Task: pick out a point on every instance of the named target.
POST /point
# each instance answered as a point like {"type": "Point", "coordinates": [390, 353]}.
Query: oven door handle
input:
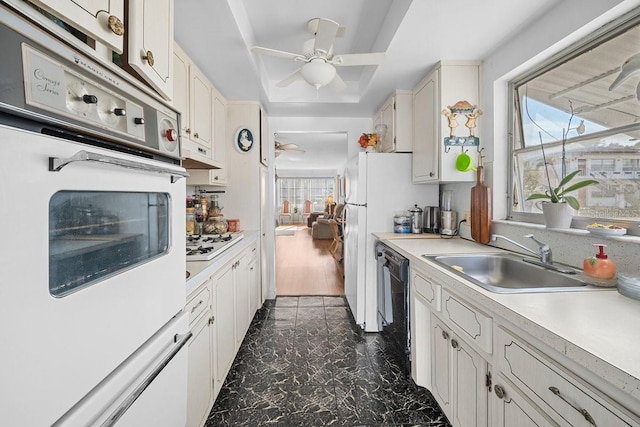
{"type": "Point", "coordinates": [56, 164]}
{"type": "Point", "coordinates": [180, 341]}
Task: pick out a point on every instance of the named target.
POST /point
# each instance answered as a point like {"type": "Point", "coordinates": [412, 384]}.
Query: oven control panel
{"type": "Point", "coordinates": [62, 92]}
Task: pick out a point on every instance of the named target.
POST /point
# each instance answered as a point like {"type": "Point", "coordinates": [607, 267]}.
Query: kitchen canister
{"type": "Point", "coordinates": [402, 222]}
{"type": "Point", "coordinates": [416, 220]}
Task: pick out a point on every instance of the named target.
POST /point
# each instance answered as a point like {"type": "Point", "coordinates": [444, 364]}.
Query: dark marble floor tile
{"type": "Point", "coordinates": [311, 313]}
{"type": "Point", "coordinates": [286, 302]}
{"type": "Point", "coordinates": [283, 313]}
{"type": "Point", "coordinates": [310, 302]}
{"type": "Point", "coordinates": [337, 312]}
{"type": "Point", "coordinates": [304, 362]}
{"type": "Point", "coordinates": [334, 301]}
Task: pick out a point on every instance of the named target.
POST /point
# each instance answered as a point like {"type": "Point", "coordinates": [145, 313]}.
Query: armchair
{"type": "Point", "coordinates": [321, 228]}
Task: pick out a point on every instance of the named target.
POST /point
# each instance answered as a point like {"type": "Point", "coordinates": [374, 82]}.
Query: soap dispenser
{"type": "Point", "coordinates": [599, 266]}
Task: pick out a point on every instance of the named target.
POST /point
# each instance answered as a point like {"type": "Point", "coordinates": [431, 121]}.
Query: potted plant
{"type": "Point", "coordinates": [557, 202]}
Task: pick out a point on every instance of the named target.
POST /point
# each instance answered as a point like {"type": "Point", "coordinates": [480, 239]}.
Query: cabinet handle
{"type": "Point", "coordinates": [499, 391]}
{"type": "Point", "coordinates": [212, 319]}
{"type": "Point", "coordinates": [454, 343]}
{"type": "Point", "coordinates": [431, 174]}
{"type": "Point", "coordinates": [197, 305]}
{"type": "Point", "coordinates": [115, 25]}
{"type": "Point", "coordinates": [583, 412]}
{"type": "Point", "coordinates": [187, 130]}
{"type": "Point", "coordinates": [149, 58]}
{"type": "Point", "coordinates": [445, 335]}
{"type": "Point", "coordinates": [195, 135]}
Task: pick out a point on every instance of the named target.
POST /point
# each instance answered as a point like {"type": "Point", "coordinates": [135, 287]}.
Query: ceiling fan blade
{"type": "Point", "coordinates": [337, 83]}
{"type": "Point", "coordinates": [277, 53]}
{"type": "Point", "coordinates": [325, 34]}
{"type": "Point", "coordinates": [296, 75]}
{"type": "Point", "coordinates": [359, 59]}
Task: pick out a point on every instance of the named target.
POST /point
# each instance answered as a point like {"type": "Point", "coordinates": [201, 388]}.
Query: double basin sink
{"type": "Point", "coordinates": [509, 273]}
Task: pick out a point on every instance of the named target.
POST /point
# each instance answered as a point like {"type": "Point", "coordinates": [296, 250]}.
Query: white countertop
{"type": "Point", "coordinates": [201, 270]}
{"type": "Point", "coordinates": [598, 330]}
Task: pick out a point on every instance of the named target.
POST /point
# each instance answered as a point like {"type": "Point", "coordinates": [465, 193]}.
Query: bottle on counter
{"type": "Point", "coordinates": [191, 220]}
{"type": "Point", "coordinates": [599, 266]}
{"type": "Point", "coordinates": [199, 218]}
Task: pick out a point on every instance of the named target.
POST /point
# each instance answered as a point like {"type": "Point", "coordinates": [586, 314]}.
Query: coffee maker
{"type": "Point", "coordinates": [449, 217]}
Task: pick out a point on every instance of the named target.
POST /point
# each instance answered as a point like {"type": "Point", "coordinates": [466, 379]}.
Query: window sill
{"type": "Point", "coordinates": [570, 231]}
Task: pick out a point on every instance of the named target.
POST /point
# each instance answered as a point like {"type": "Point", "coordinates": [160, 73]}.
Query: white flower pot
{"type": "Point", "coordinates": [557, 215]}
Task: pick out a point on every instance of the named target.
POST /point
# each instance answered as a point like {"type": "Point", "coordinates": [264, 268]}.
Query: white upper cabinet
{"type": "Point", "coordinates": [150, 43]}
{"type": "Point", "coordinates": [180, 100]}
{"type": "Point", "coordinates": [102, 20]}
{"type": "Point", "coordinates": [396, 114]}
{"type": "Point", "coordinates": [444, 86]}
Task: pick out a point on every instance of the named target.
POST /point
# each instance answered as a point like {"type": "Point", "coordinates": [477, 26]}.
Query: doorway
{"type": "Point", "coordinates": [307, 167]}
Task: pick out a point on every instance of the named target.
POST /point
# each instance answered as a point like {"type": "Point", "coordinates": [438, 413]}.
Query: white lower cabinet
{"type": "Point", "coordinates": [220, 309]}
{"type": "Point", "coordinates": [511, 408]}
{"type": "Point", "coordinates": [460, 378]}
{"type": "Point", "coordinates": [560, 393]}
{"type": "Point", "coordinates": [199, 385]}
{"type": "Point", "coordinates": [483, 371]}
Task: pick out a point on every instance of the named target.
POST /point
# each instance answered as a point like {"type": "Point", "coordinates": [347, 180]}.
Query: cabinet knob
{"type": "Point", "coordinates": [115, 25]}
{"type": "Point", "coordinates": [454, 343]}
{"type": "Point", "coordinates": [499, 391]}
{"type": "Point", "coordinates": [138, 120]}
{"type": "Point", "coordinates": [431, 174]}
{"type": "Point", "coordinates": [445, 335]}
{"type": "Point", "coordinates": [149, 58]}
{"type": "Point", "coordinates": [195, 135]}
{"type": "Point", "coordinates": [212, 319]}
{"type": "Point", "coordinates": [188, 130]}
{"type": "Point", "coordinates": [120, 112]}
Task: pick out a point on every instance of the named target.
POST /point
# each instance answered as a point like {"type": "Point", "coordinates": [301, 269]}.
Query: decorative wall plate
{"type": "Point", "coordinates": [243, 140]}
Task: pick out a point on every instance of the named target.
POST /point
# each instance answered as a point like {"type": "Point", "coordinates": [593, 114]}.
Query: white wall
{"type": "Point", "coordinates": [568, 22]}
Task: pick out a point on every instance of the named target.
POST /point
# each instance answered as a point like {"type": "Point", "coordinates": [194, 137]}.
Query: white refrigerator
{"type": "Point", "coordinates": [376, 186]}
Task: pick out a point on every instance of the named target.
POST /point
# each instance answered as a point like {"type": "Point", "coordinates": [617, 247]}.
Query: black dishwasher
{"type": "Point", "coordinates": [393, 301]}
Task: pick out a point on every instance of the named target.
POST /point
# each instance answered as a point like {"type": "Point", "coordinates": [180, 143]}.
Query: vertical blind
{"type": "Point", "coordinates": [297, 190]}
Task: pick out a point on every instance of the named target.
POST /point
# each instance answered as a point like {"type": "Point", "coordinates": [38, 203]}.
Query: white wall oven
{"type": "Point", "coordinates": [92, 253]}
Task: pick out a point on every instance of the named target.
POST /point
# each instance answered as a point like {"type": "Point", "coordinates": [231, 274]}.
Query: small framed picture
{"type": "Point", "coordinates": [243, 140]}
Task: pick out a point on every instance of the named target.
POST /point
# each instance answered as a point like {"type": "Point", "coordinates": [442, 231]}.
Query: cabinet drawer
{"type": "Point", "coordinates": [199, 303]}
{"type": "Point", "coordinates": [428, 290]}
{"type": "Point", "coordinates": [567, 399]}
{"type": "Point", "coordinates": [473, 325]}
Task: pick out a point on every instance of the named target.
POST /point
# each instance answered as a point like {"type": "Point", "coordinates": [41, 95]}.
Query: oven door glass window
{"type": "Point", "coordinates": [94, 235]}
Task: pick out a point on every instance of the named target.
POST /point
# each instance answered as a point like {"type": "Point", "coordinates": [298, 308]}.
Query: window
{"type": "Point", "coordinates": [580, 111]}
{"type": "Point", "coordinates": [297, 190]}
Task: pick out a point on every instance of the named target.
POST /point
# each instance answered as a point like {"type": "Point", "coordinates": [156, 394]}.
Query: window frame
{"type": "Point", "coordinates": [601, 35]}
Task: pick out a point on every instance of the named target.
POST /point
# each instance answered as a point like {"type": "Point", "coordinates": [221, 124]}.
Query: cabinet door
{"type": "Point", "coordinates": [426, 119]}
{"type": "Point", "coordinates": [219, 129]}
{"type": "Point", "coordinates": [420, 341]}
{"type": "Point", "coordinates": [255, 290]}
{"type": "Point", "coordinates": [181, 88]}
{"type": "Point", "coordinates": [200, 391]}
{"type": "Point", "coordinates": [441, 365]}
{"type": "Point", "coordinates": [102, 20]}
{"type": "Point", "coordinates": [242, 297]}
{"type": "Point", "coordinates": [387, 116]}
{"type": "Point", "coordinates": [150, 39]}
{"type": "Point", "coordinates": [469, 373]}
{"type": "Point", "coordinates": [264, 138]}
{"type": "Point", "coordinates": [200, 110]}
{"type": "Point", "coordinates": [224, 338]}
{"type": "Point", "coordinates": [510, 408]}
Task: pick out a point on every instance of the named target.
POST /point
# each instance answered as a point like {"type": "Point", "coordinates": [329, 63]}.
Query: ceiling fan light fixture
{"type": "Point", "coordinates": [318, 73]}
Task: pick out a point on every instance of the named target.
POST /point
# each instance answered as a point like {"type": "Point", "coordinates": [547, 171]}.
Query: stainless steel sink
{"type": "Point", "coordinates": [508, 273]}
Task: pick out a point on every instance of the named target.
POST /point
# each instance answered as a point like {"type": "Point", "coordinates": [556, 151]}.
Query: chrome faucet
{"type": "Point", "coordinates": [544, 251]}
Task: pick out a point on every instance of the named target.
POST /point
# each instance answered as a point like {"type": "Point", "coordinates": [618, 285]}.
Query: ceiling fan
{"type": "Point", "coordinates": [281, 148]}
{"type": "Point", "coordinates": [318, 56]}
